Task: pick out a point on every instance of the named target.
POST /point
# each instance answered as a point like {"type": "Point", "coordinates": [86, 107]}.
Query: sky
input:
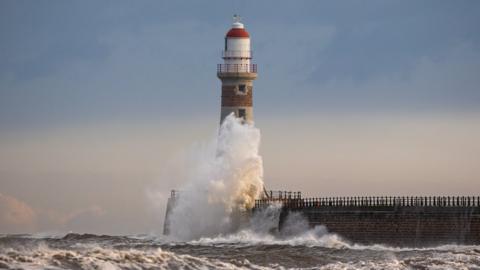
{"type": "Point", "coordinates": [99, 100]}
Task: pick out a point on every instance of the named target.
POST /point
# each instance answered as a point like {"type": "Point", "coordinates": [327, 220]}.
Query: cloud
{"type": "Point", "coordinates": [15, 215]}
{"type": "Point", "coordinates": [432, 84]}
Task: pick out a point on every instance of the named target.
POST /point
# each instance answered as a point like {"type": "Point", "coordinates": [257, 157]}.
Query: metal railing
{"type": "Point", "coordinates": [281, 195]}
{"type": "Point", "coordinates": [237, 54]}
{"type": "Point", "coordinates": [235, 68]}
{"type": "Point", "coordinates": [435, 201]}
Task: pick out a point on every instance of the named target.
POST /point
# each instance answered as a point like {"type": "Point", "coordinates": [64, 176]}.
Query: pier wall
{"type": "Point", "coordinates": [420, 221]}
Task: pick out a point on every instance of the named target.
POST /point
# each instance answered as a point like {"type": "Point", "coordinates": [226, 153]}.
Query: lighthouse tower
{"type": "Point", "coordinates": [237, 74]}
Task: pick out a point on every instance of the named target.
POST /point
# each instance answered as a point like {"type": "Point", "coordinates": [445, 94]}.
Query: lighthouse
{"type": "Point", "coordinates": [237, 74]}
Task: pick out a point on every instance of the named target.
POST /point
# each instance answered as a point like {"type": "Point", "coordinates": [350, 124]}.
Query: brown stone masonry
{"type": "Point", "coordinates": [232, 98]}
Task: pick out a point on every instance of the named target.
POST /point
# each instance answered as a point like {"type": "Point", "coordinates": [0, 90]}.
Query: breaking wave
{"type": "Point", "coordinates": [317, 237]}
{"type": "Point", "coordinates": [225, 178]}
{"type": "Point", "coordinates": [93, 257]}
{"type": "Point", "coordinates": [242, 250]}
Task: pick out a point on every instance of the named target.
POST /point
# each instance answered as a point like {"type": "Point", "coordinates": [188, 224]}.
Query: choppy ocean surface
{"type": "Point", "coordinates": [243, 250]}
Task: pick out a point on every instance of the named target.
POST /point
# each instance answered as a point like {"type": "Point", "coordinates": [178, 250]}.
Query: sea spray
{"type": "Point", "coordinates": [263, 229]}
{"type": "Point", "coordinates": [224, 180]}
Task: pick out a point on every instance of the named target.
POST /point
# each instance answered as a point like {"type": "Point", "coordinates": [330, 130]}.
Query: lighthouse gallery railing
{"type": "Point", "coordinates": [234, 68]}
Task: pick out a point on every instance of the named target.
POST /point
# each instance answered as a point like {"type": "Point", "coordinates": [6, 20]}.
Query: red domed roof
{"type": "Point", "coordinates": [237, 33]}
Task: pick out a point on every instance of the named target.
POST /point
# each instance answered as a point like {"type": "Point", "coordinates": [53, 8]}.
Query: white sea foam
{"type": "Point", "coordinates": [316, 237]}
{"type": "Point", "coordinates": [21, 253]}
{"type": "Point", "coordinates": [263, 230]}
{"type": "Point", "coordinates": [95, 257]}
{"type": "Point", "coordinates": [225, 178]}
{"type": "Point", "coordinates": [439, 261]}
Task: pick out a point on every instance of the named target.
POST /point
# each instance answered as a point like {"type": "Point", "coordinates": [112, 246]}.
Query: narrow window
{"type": "Point", "coordinates": [242, 88]}
{"type": "Point", "coordinates": [241, 113]}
